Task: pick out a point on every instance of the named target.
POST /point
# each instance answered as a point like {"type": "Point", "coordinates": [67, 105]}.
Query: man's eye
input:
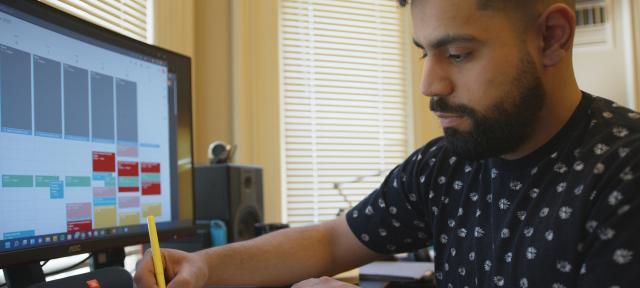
{"type": "Point", "coordinates": [458, 57]}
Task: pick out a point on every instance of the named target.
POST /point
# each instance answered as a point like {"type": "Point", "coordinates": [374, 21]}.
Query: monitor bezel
{"type": "Point", "coordinates": [177, 64]}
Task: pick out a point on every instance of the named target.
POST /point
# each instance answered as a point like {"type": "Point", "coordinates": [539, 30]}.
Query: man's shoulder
{"type": "Point", "coordinates": [431, 152]}
{"type": "Point", "coordinates": [434, 156]}
{"type": "Point", "coordinates": [614, 131]}
{"type": "Point", "coordinates": [613, 119]}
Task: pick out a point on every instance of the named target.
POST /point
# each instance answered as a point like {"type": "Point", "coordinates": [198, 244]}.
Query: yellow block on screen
{"type": "Point", "coordinates": [129, 218]}
{"type": "Point", "coordinates": [105, 216]}
{"type": "Point", "coordinates": [151, 209]}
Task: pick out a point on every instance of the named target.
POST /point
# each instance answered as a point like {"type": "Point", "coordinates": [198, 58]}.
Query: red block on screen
{"type": "Point", "coordinates": [79, 226]}
{"type": "Point", "coordinates": [127, 189]}
{"type": "Point", "coordinates": [128, 168]}
{"type": "Point", "coordinates": [104, 161]}
{"type": "Point", "coordinates": [147, 167]}
{"type": "Point", "coordinates": [150, 188]}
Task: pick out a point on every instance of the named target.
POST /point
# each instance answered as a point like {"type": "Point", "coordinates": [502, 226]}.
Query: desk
{"type": "Point", "coordinates": [353, 277]}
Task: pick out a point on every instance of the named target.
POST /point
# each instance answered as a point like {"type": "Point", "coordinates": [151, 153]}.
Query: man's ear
{"type": "Point", "coordinates": [556, 28]}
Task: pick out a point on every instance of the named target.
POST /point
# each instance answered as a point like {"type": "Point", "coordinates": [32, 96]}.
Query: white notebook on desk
{"type": "Point", "coordinates": [390, 271]}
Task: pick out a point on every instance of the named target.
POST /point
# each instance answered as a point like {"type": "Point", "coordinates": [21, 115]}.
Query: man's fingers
{"type": "Point", "coordinates": [148, 281]}
{"type": "Point", "coordinates": [306, 283]}
{"type": "Point", "coordinates": [180, 270]}
{"type": "Point", "coordinates": [181, 280]}
{"type": "Point", "coordinates": [145, 273]}
{"type": "Point", "coordinates": [145, 277]}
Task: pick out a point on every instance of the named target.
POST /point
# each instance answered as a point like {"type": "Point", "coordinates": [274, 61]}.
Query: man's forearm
{"type": "Point", "coordinates": [285, 257]}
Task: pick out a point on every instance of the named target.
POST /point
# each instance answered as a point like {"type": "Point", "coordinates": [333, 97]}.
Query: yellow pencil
{"type": "Point", "coordinates": [155, 251]}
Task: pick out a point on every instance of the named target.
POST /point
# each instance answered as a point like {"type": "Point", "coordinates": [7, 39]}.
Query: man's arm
{"type": "Point", "coordinates": [279, 258]}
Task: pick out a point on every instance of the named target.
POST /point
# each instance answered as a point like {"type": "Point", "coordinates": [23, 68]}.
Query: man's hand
{"type": "Point", "coordinates": [323, 282]}
{"type": "Point", "coordinates": [181, 269]}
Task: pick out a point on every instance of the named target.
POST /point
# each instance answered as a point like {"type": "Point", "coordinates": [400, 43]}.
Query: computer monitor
{"type": "Point", "coordinates": [95, 135]}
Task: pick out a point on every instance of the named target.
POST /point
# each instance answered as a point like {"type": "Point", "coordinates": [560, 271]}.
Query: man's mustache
{"type": "Point", "coordinates": [438, 104]}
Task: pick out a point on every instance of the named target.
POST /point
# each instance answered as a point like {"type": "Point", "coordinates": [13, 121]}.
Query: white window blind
{"type": "Point", "coordinates": [129, 17]}
{"type": "Point", "coordinates": [344, 94]}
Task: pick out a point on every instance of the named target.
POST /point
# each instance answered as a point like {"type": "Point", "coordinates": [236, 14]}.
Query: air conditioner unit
{"type": "Point", "coordinates": [593, 21]}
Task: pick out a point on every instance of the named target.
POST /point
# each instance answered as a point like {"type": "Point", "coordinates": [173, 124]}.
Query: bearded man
{"type": "Point", "coordinates": [534, 183]}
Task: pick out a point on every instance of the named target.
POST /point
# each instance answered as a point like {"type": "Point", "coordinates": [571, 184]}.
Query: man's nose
{"type": "Point", "coordinates": [435, 79]}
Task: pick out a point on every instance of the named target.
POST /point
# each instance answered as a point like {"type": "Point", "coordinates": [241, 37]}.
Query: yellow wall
{"type": "Point", "coordinates": [636, 27]}
{"type": "Point", "coordinates": [174, 30]}
{"type": "Point", "coordinates": [235, 53]}
{"type": "Point", "coordinates": [173, 25]}
{"type": "Point", "coordinates": [235, 95]}
{"type": "Point", "coordinates": [212, 92]}
{"type": "Point", "coordinates": [425, 124]}
{"type": "Point", "coordinates": [255, 102]}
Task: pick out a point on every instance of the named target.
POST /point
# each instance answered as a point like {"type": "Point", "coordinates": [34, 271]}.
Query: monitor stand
{"type": "Point", "coordinates": [23, 275]}
{"type": "Point", "coordinates": [107, 258]}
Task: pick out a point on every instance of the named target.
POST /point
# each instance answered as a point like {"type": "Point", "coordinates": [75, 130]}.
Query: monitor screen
{"type": "Point", "coordinates": [90, 124]}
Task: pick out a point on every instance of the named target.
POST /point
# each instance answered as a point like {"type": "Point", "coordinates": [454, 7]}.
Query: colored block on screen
{"type": "Point", "coordinates": [78, 211]}
{"type": "Point", "coordinates": [148, 167]}
{"type": "Point", "coordinates": [128, 184]}
{"type": "Point", "coordinates": [16, 131]}
{"type": "Point", "coordinates": [129, 218]}
{"type": "Point", "coordinates": [16, 102]}
{"type": "Point", "coordinates": [83, 225]}
{"type": "Point", "coordinates": [128, 189]}
{"type": "Point", "coordinates": [18, 234]}
{"type": "Point", "coordinates": [150, 188]}
{"type": "Point", "coordinates": [56, 189]}
{"type": "Point", "coordinates": [43, 181]}
{"type": "Point", "coordinates": [101, 176]}
{"type": "Point", "coordinates": [151, 209]}
{"type": "Point", "coordinates": [152, 177]}
{"type": "Point", "coordinates": [126, 150]}
{"type": "Point", "coordinates": [149, 145]}
{"type": "Point", "coordinates": [104, 161]}
{"type": "Point", "coordinates": [105, 216]}
{"type": "Point", "coordinates": [104, 192]}
{"type": "Point", "coordinates": [128, 181]}
{"type": "Point", "coordinates": [17, 181]}
{"type": "Point", "coordinates": [128, 168]}
{"type": "Point", "coordinates": [77, 181]}
{"type": "Point", "coordinates": [76, 138]}
{"type": "Point", "coordinates": [129, 202]}
{"type": "Point", "coordinates": [48, 134]}
{"type": "Point", "coordinates": [110, 182]}
{"type": "Point", "coordinates": [107, 201]}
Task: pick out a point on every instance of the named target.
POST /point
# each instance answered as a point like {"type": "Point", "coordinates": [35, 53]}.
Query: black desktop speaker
{"type": "Point", "coordinates": [231, 193]}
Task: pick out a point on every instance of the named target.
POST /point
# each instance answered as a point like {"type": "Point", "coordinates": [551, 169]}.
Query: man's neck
{"type": "Point", "coordinates": [558, 107]}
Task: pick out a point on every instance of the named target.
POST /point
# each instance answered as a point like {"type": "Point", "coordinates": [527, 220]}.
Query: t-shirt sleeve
{"type": "Point", "coordinates": [612, 245]}
{"type": "Point", "coordinates": [393, 219]}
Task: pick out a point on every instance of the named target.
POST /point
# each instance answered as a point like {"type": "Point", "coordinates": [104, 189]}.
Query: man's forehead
{"type": "Point", "coordinates": [481, 4]}
{"type": "Point", "coordinates": [435, 19]}
{"type": "Point", "coordinates": [444, 3]}
{"type": "Point", "coordinates": [450, 12]}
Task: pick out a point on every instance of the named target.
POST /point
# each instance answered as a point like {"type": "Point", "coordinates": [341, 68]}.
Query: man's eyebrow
{"type": "Point", "coordinates": [415, 42]}
{"type": "Point", "coordinates": [448, 40]}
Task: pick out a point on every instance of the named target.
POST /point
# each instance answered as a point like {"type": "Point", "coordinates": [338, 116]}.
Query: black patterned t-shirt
{"type": "Point", "coordinates": [566, 215]}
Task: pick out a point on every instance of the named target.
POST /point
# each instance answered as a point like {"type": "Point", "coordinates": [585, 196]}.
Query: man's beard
{"type": "Point", "coordinates": [506, 126]}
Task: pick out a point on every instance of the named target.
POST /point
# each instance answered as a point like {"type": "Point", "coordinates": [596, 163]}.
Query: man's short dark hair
{"type": "Point", "coordinates": [522, 10]}
{"type": "Point", "coordinates": [501, 4]}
